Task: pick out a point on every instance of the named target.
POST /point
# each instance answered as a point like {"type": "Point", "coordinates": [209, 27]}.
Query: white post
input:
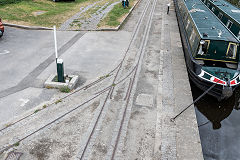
{"type": "Point", "coordinates": [55, 41]}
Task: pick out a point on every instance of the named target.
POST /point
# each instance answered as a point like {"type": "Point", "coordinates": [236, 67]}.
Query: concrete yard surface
{"type": "Point", "coordinates": [132, 82]}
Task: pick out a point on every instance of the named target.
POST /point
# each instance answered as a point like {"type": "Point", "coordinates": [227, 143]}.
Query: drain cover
{"type": "Point", "coordinates": [14, 155]}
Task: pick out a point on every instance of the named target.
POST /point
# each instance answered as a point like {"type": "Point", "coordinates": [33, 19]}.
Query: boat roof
{"type": "Point", "coordinates": [207, 23]}
{"type": "Point", "coordinates": [228, 8]}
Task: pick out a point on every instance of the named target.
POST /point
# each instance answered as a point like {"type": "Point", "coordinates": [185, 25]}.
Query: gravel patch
{"type": "Point", "coordinates": [88, 21]}
{"type": "Point", "coordinates": [67, 23]}
{"type": "Point", "coordinates": [92, 22]}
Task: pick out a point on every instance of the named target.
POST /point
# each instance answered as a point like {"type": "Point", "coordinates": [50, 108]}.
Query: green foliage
{"type": "Point", "coordinates": [117, 12]}
{"type": "Point", "coordinates": [55, 13]}
{"type": "Point", "coordinates": [37, 110]}
{"type": "Point", "coordinates": [58, 101]}
{"type": "Point", "coordinates": [16, 144]}
{"type": "Point", "coordinates": [235, 2]}
{"type": "Point", "coordinates": [55, 79]}
{"type": "Point", "coordinates": [65, 89]}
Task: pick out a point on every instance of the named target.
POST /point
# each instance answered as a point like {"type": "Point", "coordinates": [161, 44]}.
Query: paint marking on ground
{"type": "Point", "coordinates": [4, 52]}
{"type": "Point", "coordinates": [24, 101]}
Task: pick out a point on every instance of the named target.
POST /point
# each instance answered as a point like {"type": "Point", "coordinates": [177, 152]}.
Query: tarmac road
{"type": "Point", "coordinates": [27, 59]}
{"type": "Point", "coordinates": [22, 55]}
{"type": "Point", "coordinates": [21, 51]}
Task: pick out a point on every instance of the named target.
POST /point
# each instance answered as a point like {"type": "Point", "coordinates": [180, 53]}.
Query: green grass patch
{"type": "Point", "coordinates": [58, 101]}
{"type": "Point", "coordinates": [112, 18]}
{"type": "Point", "coordinates": [65, 90]}
{"type": "Point", "coordinates": [26, 11]}
{"type": "Point", "coordinates": [55, 79]}
{"type": "Point", "coordinates": [94, 10]}
{"type": "Point", "coordinates": [104, 76]}
{"type": "Point", "coordinates": [76, 21]}
{"type": "Point", "coordinates": [16, 144]}
{"type": "Point", "coordinates": [37, 110]}
{"type": "Point", "coordinates": [4, 2]}
{"type": "Point", "coordinates": [7, 125]}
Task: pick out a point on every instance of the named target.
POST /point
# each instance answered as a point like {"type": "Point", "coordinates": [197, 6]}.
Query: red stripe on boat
{"type": "Point", "coordinates": [218, 81]}
{"type": "Point", "coordinates": [233, 82]}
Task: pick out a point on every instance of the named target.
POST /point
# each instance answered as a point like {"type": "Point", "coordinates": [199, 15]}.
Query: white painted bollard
{"type": "Point", "coordinates": [55, 41]}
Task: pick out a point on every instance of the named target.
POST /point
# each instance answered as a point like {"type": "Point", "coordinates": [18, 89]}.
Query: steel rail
{"type": "Point", "coordinates": [89, 100]}
{"type": "Point", "coordinates": [128, 95]}
{"type": "Point", "coordinates": [136, 30]}
{"type": "Point", "coordinates": [64, 97]}
{"type": "Point", "coordinates": [134, 36]}
{"type": "Point", "coordinates": [110, 88]}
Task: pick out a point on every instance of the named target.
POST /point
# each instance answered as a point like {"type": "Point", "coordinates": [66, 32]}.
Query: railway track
{"type": "Point", "coordinates": [132, 77]}
{"type": "Point", "coordinates": [130, 74]}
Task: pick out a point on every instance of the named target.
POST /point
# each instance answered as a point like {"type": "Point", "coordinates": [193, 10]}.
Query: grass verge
{"type": "Point", "coordinates": [42, 12]}
{"type": "Point", "coordinates": [115, 16]}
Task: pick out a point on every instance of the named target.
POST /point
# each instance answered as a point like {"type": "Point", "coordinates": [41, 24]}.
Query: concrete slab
{"type": "Point", "coordinates": [16, 104]}
{"type": "Point", "coordinates": [144, 100]}
{"type": "Point", "coordinates": [69, 84]}
{"type": "Point", "coordinates": [188, 142]}
{"type": "Point", "coordinates": [93, 55]}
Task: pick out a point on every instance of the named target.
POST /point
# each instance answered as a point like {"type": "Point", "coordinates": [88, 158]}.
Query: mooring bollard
{"type": "Point", "coordinates": [168, 6]}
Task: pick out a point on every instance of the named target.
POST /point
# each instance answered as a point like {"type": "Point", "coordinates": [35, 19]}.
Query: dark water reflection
{"type": "Point", "coordinates": [219, 126]}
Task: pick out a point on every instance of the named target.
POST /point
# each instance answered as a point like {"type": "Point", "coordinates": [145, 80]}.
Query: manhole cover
{"type": "Point", "coordinates": [14, 155]}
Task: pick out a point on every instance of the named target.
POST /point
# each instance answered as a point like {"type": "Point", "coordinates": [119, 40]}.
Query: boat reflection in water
{"type": "Point", "coordinates": [218, 126]}
{"type": "Point", "coordinates": [215, 111]}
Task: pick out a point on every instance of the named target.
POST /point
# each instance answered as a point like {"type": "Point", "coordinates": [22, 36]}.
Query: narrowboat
{"type": "Point", "coordinates": [211, 50]}
{"type": "Point", "coordinates": [227, 13]}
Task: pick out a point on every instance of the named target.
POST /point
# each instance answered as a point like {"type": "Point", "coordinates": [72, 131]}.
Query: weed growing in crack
{"type": "Point", "coordinates": [37, 110]}
{"type": "Point", "coordinates": [58, 101]}
{"type": "Point", "coordinates": [65, 90]}
{"type": "Point", "coordinates": [16, 144]}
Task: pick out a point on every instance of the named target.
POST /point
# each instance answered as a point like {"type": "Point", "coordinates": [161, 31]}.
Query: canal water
{"type": "Point", "coordinates": [219, 126]}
